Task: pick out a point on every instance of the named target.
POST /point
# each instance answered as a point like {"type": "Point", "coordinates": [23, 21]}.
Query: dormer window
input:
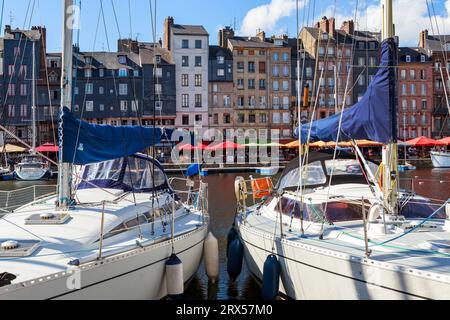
{"type": "Point", "coordinates": [88, 60]}
{"type": "Point", "coordinates": [422, 58]}
{"type": "Point", "coordinates": [324, 36]}
{"type": "Point", "coordinates": [157, 59]}
{"type": "Point", "coordinates": [408, 58]}
{"type": "Point", "coordinates": [220, 59]}
{"type": "Point", "coordinates": [278, 42]}
{"type": "Point", "coordinates": [122, 59]}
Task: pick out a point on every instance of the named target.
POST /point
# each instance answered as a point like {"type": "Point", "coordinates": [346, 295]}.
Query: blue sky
{"type": "Point", "coordinates": [274, 16]}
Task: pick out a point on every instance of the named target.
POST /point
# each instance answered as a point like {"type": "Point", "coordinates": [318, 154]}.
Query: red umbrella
{"type": "Point", "coordinates": [225, 145]}
{"type": "Point", "coordinates": [189, 147]}
{"type": "Point", "coordinates": [425, 142]}
{"type": "Point", "coordinates": [446, 141]}
{"type": "Point", "coordinates": [48, 147]}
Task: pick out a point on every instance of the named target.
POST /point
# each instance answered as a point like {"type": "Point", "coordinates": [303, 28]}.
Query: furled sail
{"type": "Point", "coordinates": [373, 117]}
{"type": "Point", "coordinates": [85, 143]}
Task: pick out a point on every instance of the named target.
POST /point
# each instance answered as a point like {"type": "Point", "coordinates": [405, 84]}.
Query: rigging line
{"type": "Point", "coordinates": [339, 128]}
{"type": "Point", "coordinates": [115, 17]}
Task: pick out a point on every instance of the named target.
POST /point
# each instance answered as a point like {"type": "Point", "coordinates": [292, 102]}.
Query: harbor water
{"type": "Point", "coordinates": [432, 183]}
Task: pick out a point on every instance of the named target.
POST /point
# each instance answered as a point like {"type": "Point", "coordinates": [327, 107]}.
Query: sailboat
{"type": "Point", "coordinates": [31, 167]}
{"type": "Point", "coordinates": [118, 228]}
{"type": "Point", "coordinates": [332, 233]}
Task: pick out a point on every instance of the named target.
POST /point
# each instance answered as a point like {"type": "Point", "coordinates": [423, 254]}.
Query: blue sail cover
{"type": "Point", "coordinates": [85, 143]}
{"type": "Point", "coordinates": [373, 117]}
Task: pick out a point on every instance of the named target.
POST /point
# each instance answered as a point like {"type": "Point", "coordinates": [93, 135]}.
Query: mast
{"type": "Point", "coordinates": [33, 103]}
{"type": "Point", "coordinates": [390, 152]}
{"type": "Point", "coordinates": [65, 169]}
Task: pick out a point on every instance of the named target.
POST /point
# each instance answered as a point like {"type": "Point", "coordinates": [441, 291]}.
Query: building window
{"type": "Point", "coordinates": [23, 89]}
{"type": "Point", "coordinates": [158, 105]}
{"type": "Point", "coordinates": [361, 61]}
{"type": "Point", "coordinates": [362, 80]}
{"type": "Point", "coordinates": [215, 88]}
{"type": "Point", "coordinates": [198, 80]}
{"type": "Point", "coordinates": [216, 119]}
{"type": "Point", "coordinates": [220, 59]}
{"type": "Point", "coordinates": [408, 58]}
{"type": "Point", "coordinates": [158, 88]}
{"type": "Point", "coordinates": [276, 118]}
{"type": "Point", "coordinates": [240, 118]}
{"type": "Point", "coordinates": [262, 102]}
{"type": "Point", "coordinates": [262, 84]}
{"type": "Point", "coordinates": [240, 66]}
{"type": "Point", "coordinates": [251, 67]}
{"type": "Point", "coordinates": [226, 118]}
{"type": "Point", "coordinates": [198, 61]}
{"type": "Point", "coordinates": [275, 86]}
{"type": "Point", "coordinates": [123, 89]}
{"type": "Point", "coordinates": [122, 59]}
{"type": "Point", "coordinates": [252, 118]}
{"type": "Point", "coordinates": [88, 73]}
{"type": "Point", "coordinates": [89, 88]}
{"type": "Point", "coordinates": [89, 106]}
{"type": "Point", "coordinates": [240, 83]}
{"type": "Point", "coordinates": [185, 101]}
{"type": "Point", "coordinates": [285, 71]}
{"type": "Point", "coordinates": [251, 83]}
{"type": "Point", "coordinates": [413, 89]}
{"type": "Point", "coordinates": [286, 85]}
{"type": "Point", "coordinates": [185, 44]}
{"type": "Point", "coordinates": [101, 90]}
{"type": "Point", "coordinates": [198, 100]}
{"type": "Point", "coordinates": [424, 105]}
{"type": "Point", "coordinates": [11, 90]}
{"type": "Point", "coordinates": [220, 72]}
{"type": "Point", "coordinates": [101, 73]}
{"type": "Point", "coordinates": [23, 110]}
{"type": "Point", "coordinates": [123, 73]}
{"type": "Point", "coordinates": [185, 120]}
{"type": "Point", "coordinates": [198, 44]}
{"type": "Point", "coordinates": [423, 58]}
{"type": "Point", "coordinates": [424, 89]}
{"type": "Point", "coordinates": [134, 105]}
{"type": "Point", "coordinates": [11, 110]}
{"type": "Point", "coordinates": [198, 118]}
{"type": "Point", "coordinates": [276, 71]}
{"type": "Point", "coordinates": [123, 105]}
{"type": "Point", "coordinates": [262, 67]}
{"type": "Point", "coordinates": [263, 118]}
{"type": "Point", "coordinates": [158, 73]}
{"type": "Point", "coordinates": [240, 102]}
{"type": "Point", "coordinates": [276, 56]}
{"type": "Point", "coordinates": [185, 80]}
{"type": "Point", "coordinates": [226, 101]}
{"type": "Point", "coordinates": [185, 61]}
{"type": "Point", "coordinates": [101, 107]}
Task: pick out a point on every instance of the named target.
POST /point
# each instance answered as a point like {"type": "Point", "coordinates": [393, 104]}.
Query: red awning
{"type": "Point", "coordinates": [446, 141]}
{"type": "Point", "coordinates": [225, 145]}
{"type": "Point", "coordinates": [48, 147]}
{"type": "Point", "coordinates": [425, 142]}
{"type": "Point", "coordinates": [189, 147]}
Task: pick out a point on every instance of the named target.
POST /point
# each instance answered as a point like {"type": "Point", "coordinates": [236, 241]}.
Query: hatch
{"type": "Point", "coordinates": [17, 248]}
{"type": "Point", "coordinates": [47, 218]}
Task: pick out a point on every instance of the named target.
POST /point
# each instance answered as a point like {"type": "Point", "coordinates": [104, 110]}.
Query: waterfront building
{"type": "Point", "coordinates": [220, 87]}
{"type": "Point", "coordinates": [415, 92]}
{"type": "Point", "coordinates": [437, 48]}
{"type": "Point", "coordinates": [189, 46]}
{"type": "Point", "coordinates": [16, 68]}
{"type": "Point", "coordinates": [343, 56]}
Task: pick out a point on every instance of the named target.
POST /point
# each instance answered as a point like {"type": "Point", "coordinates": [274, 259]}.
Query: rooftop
{"type": "Point", "coordinates": [192, 30]}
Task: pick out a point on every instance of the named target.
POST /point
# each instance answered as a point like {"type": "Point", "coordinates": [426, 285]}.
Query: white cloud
{"type": "Point", "coordinates": [266, 17]}
{"type": "Point", "coordinates": [410, 18]}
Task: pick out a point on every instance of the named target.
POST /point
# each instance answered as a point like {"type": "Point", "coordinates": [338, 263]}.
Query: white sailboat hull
{"type": "Point", "coordinates": [440, 159]}
{"type": "Point", "coordinates": [31, 175]}
{"type": "Point", "coordinates": [315, 273]}
{"type": "Point", "coordinates": [134, 275]}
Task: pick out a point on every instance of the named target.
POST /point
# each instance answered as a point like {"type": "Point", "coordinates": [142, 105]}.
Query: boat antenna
{"type": "Point", "coordinates": [65, 169]}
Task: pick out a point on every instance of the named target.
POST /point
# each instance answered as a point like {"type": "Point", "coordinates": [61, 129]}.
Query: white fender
{"type": "Point", "coordinates": [211, 252]}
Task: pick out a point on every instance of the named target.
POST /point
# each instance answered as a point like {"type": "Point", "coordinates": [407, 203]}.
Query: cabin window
{"type": "Point", "coordinates": [313, 175]}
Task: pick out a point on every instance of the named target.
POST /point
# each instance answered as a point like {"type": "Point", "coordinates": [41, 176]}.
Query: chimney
{"type": "Point", "coordinates": [261, 35]}
{"type": "Point", "coordinates": [168, 23]}
{"type": "Point", "coordinates": [128, 45]}
{"type": "Point", "coordinates": [348, 27]}
{"type": "Point", "coordinates": [7, 29]}
{"type": "Point", "coordinates": [224, 35]}
{"type": "Point", "coordinates": [327, 25]}
{"type": "Point", "coordinates": [423, 38]}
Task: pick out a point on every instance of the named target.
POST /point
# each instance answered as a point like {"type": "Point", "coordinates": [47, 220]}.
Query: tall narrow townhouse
{"type": "Point", "coordinates": [189, 45]}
